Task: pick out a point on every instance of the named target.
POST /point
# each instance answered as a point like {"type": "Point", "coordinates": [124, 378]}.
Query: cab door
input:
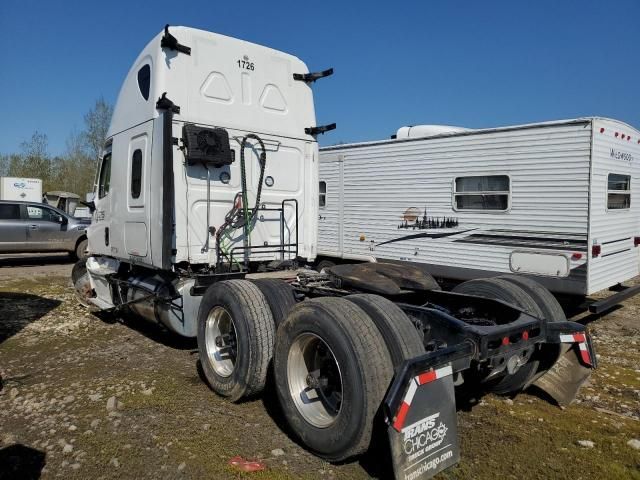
{"type": "Point", "coordinates": [99, 232]}
{"type": "Point", "coordinates": [13, 229]}
{"type": "Point", "coordinates": [46, 229]}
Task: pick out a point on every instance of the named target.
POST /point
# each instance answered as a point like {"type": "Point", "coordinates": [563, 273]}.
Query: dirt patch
{"type": "Point", "coordinates": [61, 367]}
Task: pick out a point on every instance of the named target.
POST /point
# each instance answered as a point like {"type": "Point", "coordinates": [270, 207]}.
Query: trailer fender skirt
{"type": "Point", "coordinates": [573, 368]}
{"type": "Point", "coordinates": [420, 410]}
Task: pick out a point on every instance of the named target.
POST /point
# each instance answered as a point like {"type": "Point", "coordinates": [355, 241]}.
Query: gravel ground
{"type": "Point", "coordinates": [101, 397]}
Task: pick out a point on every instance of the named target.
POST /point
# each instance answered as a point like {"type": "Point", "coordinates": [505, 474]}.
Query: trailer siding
{"type": "Point", "coordinates": [614, 230]}
{"type": "Point", "coordinates": [548, 167]}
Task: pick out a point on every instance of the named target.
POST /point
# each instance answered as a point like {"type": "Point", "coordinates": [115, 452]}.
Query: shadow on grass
{"type": "Point", "coordinates": [34, 260]}
{"type": "Point", "coordinates": [152, 330]}
{"type": "Point", "coordinates": [17, 310]}
{"type": "Point", "coordinates": [20, 461]}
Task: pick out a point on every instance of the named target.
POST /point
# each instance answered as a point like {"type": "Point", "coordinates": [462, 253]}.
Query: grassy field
{"type": "Point", "coordinates": [62, 365]}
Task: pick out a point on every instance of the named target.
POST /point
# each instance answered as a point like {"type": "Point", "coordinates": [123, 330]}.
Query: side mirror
{"type": "Point", "coordinates": [63, 220]}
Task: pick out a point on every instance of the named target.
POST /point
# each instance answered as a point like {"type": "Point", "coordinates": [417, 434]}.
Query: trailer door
{"type": "Point", "coordinates": [614, 225]}
{"type": "Point", "coordinates": [330, 201]}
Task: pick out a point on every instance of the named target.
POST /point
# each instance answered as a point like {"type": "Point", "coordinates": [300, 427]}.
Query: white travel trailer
{"type": "Point", "coordinates": [558, 201]}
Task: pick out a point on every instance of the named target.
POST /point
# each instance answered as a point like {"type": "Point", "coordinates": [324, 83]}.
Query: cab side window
{"type": "Point", "coordinates": [42, 213]}
{"type": "Point", "coordinates": [104, 180]}
{"type": "Point", "coordinates": [9, 212]}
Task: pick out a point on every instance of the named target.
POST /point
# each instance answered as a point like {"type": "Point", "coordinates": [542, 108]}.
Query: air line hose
{"type": "Point", "coordinates": [234, 219]}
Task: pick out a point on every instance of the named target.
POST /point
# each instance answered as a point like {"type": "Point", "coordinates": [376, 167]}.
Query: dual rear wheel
{"type": "Point", "coordinates": [332, 365]}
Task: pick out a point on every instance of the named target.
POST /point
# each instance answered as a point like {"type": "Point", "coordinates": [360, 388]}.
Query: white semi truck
{"type": "Point", "coordinates": [209, 172]}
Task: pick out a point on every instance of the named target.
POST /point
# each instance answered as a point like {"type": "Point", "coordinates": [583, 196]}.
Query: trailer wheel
{"type": "Point", "coordinates": [236, 333]}
{"type": "Point", "coordinates": [501, 289]}
{"type": "Point", "coordinates": [332, 369]}
{"type": "Point", "coordinates": [279, 295]}
{"type": "Point", "coordinates": [322, 264]}
{"type": "Point", "coordinates": [402, 338]}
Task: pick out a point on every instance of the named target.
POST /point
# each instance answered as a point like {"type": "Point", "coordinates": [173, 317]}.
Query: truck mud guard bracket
{"type": "Point", "coordinates": [312, 76]}
{"type": "Point", "coordinates": [171, 42]}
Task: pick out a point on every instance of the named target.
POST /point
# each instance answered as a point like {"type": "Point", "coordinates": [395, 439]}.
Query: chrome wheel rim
{"type": "Point", "coordinates": [220, 341]}
{"type": "Point", "coordinates": [315, 381]}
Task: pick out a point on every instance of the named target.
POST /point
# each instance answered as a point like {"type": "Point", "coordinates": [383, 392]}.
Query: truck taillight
{"type": "Point", "coordinates": [596, 250]}
{"type": "Point", "coordinates": [636, 241]}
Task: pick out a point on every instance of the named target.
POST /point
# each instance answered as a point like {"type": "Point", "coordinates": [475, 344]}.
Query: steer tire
{"type": "Point", "coordinates": [336, 333]}
{"type": "Point", "coordinates": [279, 295]}
{"type": "Point", "coordinates": [501, 289]}
{"type": "Point", "coordinates": [402, 338]}
{"type": "Point", "coordinates": [242, 302]}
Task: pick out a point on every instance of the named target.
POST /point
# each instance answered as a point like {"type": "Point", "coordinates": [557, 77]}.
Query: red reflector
{"type": "Point", "coordinates": [505, 341]}
{"type": "Point", "coordinates": [636, 241]}
{"type": "Point", "coordinates": [576, 256]}
{"type": "Point", "coordinates": [596, 250]}
{"type": "Point", "coordinates": [525, 335]}
{"type": "Point", "coordinates": [602, 130]}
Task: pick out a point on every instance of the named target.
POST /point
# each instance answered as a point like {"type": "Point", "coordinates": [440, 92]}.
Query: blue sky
{"type": "Point", "coordinates": [468, 63]}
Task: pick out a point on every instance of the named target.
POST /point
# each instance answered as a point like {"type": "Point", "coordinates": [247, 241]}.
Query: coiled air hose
{"type": "Point", "coordinates": [233, 218]}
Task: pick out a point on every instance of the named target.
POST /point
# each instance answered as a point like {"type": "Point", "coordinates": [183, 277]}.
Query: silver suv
{"type": "Point", "coordinates": [35, 227]}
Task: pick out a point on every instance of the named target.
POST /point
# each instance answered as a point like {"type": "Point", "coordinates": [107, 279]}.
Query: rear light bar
{"type": "Point", "coordinates": [596, 250]}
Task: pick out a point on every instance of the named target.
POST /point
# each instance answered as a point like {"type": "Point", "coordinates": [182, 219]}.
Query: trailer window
{"type": "Point", "coordinates": [105, 176]}
{"type": "Point", "coordinates": [323, 194]}
{"type": "Point", "coordinates": [618, 191]}
{"type": "Point", "coordinates": [136, 174]}
{"type": "Point", "coordinates": [490, 192]}
{"type": "Point", "coordinates": [144, 81]}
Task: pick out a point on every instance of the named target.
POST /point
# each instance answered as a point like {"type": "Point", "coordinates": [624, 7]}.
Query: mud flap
{"type": "Point", "coordinates": [573, 368]}
{"type": "Point", "coordinates": [423, 435]}
{"type": "Point", "coordinates": [421, 414]}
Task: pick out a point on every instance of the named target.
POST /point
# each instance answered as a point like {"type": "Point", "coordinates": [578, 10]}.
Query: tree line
{"type": "Point", "coordinates": [74, 170]}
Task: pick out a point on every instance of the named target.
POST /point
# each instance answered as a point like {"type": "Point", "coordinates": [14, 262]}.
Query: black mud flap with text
{"type": "Point", "coordinates": [420, 412]}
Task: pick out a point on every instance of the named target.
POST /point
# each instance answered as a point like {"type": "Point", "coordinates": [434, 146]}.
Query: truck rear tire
{"type": "Point", "coordinates": [548, 304]}
{"type": "Point", "coordinates": [332, 369]}
{"type": "Point", "coordinates": [552, 310]}
{"type": "Point", "coordinates": [279, 295]}
{"type": "Point", "coordinates": [236, 333]}
{"type": "Point", "coordinates": [501, 289]}
{"type": "Point", "coordinates": [402, 338]}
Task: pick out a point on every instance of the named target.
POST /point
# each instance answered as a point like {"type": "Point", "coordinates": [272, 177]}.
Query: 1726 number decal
{"type": "Point", "coordinates": [246, 65]}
